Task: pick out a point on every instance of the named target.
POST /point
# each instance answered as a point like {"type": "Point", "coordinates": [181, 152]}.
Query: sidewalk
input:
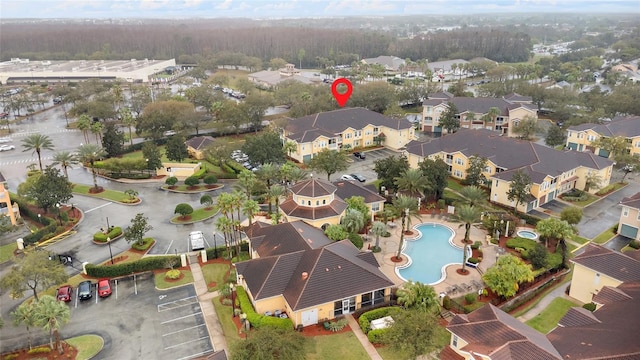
{"type": "Point", "coordinates": [364, 340]}
{"type": "Point", "coordinates": [214, 327]}
{"type": "Point", "coordinates": [542, 304]}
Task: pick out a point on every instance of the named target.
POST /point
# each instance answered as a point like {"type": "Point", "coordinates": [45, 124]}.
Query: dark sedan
{"type": "Point", "coordinates": [359, 177]}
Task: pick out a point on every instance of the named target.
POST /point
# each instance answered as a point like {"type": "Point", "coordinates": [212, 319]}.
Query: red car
{"type": "Point", "coordinates": [65, 293]}
{"type": "Point", "coordinates": [104, 288]}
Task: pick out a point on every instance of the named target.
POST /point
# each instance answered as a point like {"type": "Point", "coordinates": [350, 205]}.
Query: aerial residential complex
{"type": "Point", "coordinates": [348, 128]}
{"type": "Point", "coordinates": [581, 137]}
{"type": "Point", "coordinates": [496, 114]}
{"type": "Point", "coordinates": [552, 172]}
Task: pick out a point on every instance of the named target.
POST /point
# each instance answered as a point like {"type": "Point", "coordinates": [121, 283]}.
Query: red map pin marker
{"type": "Point", "coordinates": [341, 98]}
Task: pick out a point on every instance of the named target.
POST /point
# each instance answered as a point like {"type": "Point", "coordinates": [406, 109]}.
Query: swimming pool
{"type": "Point", "coordinates": [527, 234]}
{"type": "Point", "coordinates": [429, 254]}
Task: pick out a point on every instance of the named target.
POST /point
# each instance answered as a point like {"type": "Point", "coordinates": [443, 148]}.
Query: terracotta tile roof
{"type": "Point", "coordinates": [577, 316]}
{"type": "Point", "coordinates": [313, 188]}
{"type": "Point", "coordinates": [611, 263]}
{"type": "Point", "coordinates": [286, 238]}
{"type": "Point", "coordinates": [481, 105]}
{"type": "Point", "coordinates": [334, 208]}
{"type": "Point", "coordinates": [509, 153]}
{"type": "Point", "coordinates": [199, 142]}
{"type": "Point", "coordinates": [488, 330]}
{"type": "Point", "coordinates": [337, 121]}
{"type": "Point", "coordinates": [609, 295]}
{"type": "Point", "coordinates": [614, 336]}
{"type": "Point", "coordinates": [334, 271]}
{"type": "Point", "coordinates": [449, 354]}
{"type": "Point", "coordinates": [632, 201]}
{"type": "Point", "coordinates": [625, 126]}
{"type": "Point", "coordinates": [346, 189]}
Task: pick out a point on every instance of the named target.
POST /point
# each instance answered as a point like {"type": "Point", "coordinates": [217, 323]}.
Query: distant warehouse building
{"type": "Point", "coordinates": [135, 71]}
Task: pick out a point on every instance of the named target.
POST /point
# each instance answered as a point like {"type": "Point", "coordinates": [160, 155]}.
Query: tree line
{"type": "Point", "coordinates": [66, 41]}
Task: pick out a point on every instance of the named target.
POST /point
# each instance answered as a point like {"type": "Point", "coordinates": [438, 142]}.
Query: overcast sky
{"type": "Point", "coordinates": [295, 8]}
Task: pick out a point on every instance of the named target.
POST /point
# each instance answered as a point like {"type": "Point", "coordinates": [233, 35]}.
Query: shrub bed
{"type": "Point", "coordinates": [365, 319]}
{"type": "Point", "coordinates": [114, 232]}
{"type": "Point", "coordinates": [146, 244]}
{"type": "Point", "coordinates": [43, 233]}
{"type": "Point", "coordinates": [635, 244]}
{"type": "Point", "coordinates": [376, 336]}
{"type": "Point", "coordinates": [518, 242]}
{"type": "Point", "coordinates": [256, 320]}
{"type": "Point", "coordinates": [128, 268]}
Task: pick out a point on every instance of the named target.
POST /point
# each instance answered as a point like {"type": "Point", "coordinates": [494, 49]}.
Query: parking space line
{"type": "Point", "coordinates": [116, 281]}
{"type": "Point", "coordinates": [181, 317]}
{"type": "Point", "coordinates": [98, 207]}
{"type": "Point", "coordinates": [174, 302]}
{"type": "Point", "coordinates": [168, 247]}
{"type": "Point", "coordinates": [185, 329]}
{"type": "Point", "coordinates": [186, 342]}
{"type": "Point", "coordinates": [196, 355]}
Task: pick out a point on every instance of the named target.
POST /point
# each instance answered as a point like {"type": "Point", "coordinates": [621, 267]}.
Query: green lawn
{"type": "Point", "coordinates": [344, 346]}
{"type": "Point", "coordinates": [107, 194]}
{"type": "Point", "coordinates": [182, 187]}
{"type": "Point", "coordinates": [544, 293]}
{"type": "Point", "coordinates": [611, 188]}
{"type": "Point", "coordinates": [162, 284]}
{"type": "Point", "coordinates": [138, 154]}
{"type": "Point", "coordinates": [590, 199]}
{"type": "Point", "coordinates": [228, 327]}
{"type": "Point", "coordinates": [548, 319]}
{"type": "Point", "coordinates": [450, 194]}
{"type": "Point", "coordinates": [454, 185]}
{"type": "Point", "coordinates": [196, 215]}
{"type": "Point", "coordinates": [605, 236]}
{"type": "Point", "coordinates": [88, 345]}
{"type": "Point", "coordinates": [6, 251]}
{"type": "Point", "coordinates": [215, 273]}
{"type": "Point", "coordinates": [442, 340]}
{"type": "Point", "coordinates": [580, 240]}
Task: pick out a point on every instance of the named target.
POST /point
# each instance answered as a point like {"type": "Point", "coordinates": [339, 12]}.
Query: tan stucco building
{"type": "Point", "coordinates": [6, 208]}
{"type": "Point", "coordinates": [296, 270]}
{"type": "Point", "coordinates": [552, 172]}
{"type": "Point", "coordinates": [349, 128]}
{"type": "Point", "coordinates": [629, 222]}
{"type": "Point", "coordinates": [474, 113]}
{"type": "Point", "coordinates": [581, 137]}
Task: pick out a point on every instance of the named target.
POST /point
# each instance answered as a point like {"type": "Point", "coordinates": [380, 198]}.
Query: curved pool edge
{"type": "Point", "coordinates": [443, 270]}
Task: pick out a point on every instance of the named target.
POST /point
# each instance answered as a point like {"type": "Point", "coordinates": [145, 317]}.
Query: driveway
{"type": "Point", "coordinates": [604, 213]}
{"type": "Point", "coordinates": [555, 206]}
{"type": "Point", "coordinates": [365, 167]}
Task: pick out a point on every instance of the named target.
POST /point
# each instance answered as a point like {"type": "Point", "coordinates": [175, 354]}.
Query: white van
{"type": "Point", "coordinates": [196, 240]}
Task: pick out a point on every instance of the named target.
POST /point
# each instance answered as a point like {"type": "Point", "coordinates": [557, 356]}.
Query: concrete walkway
{"type": "Point", "coordinates": [542, 304]}
{"type": "Point", "coordinates": [362, 337]}
{"type": "Point", "coordinates": [214, 327]}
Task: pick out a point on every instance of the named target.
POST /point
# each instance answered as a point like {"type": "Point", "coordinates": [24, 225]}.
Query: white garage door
{"type": "Point", "coordinates": [310, 317]}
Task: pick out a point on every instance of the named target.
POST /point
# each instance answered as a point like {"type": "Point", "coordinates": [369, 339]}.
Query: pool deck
{"type": "Point", "coordinates": [390, 247]}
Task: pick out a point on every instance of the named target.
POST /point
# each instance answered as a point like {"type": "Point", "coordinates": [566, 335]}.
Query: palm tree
{"type": "Point", "coordinates": [96, 129]}
{"type": "Point", "coordinates": [224, 225]}
{"type": "Point", "coordinates": [246, 182]}
{"type": "Point", "coordinates": [378, 228]}
{"type": "Point", "coordinates": [128, 121]}
{"type": "Point", "coordinates": [84, 124]}
{"type": "Point", "coordinates": [412, 181]}
{"type": "Point", "coordinates": [65, 159]}
{"type": "Point", "coordinates": [51, 314]}
{"type": "Point", "coordinates": [25, 315]}
{"type": "Point", "coordinates": [404, 205]}
{"type": "Point", "coordinates": [37, 143]}
{"type": "Point", "coordinates": [289, 147]}
{"type": "Point", "coordinates": [250, 208]}
{"type": "Point", "coordinates": [473, 194]}
{"type": "Point", "coordinates": [492, 114]}
{"type": "Point", "coordinates": [276, 193]}
{"type": "Point", "coordinates": [268, 173]}
{"type": "Point", "coordinates": [352, 221]}
{"type": "Point", "coordinates": [467, 215]}
{"type": "Point", "coordinates": [418, 295]}
{"type": "Point", "coordinates": [90, 153]}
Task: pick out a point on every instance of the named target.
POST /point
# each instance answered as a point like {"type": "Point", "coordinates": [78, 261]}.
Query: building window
{"type": "Point", "coordinates": [317, 202]}
{"type": "Point", "coordinates": [301, 202]}
{"type": "Point", "coordinates": [375, 207]}
{"type": "Point", "coordinates": [309, 202]}
{"type": "Point", "coordinates": [324, 202]}
{"type": "Point", "coordinates": [454, 341]}
{"type": "Point", "coordinates": [367, 300]}
{"type": "Point", "coordinates": [487, 169]}
{"type": "Point", "coordinates": [449, 159]}
{"type": "Point", "coordinates": [347, 136]}
{"type": "Point", "coordinates": [378, 297]}
{"type": "Point", "coordinates": [457, 173]}
{"type": "Point", "coordinates": [591, 137]}
{"type": "Point", "coordinates": [375, 131]}
{"type": "Point", "coordinates": [459, 161]}
{"type": "Point", "coordinates": [497, 181]}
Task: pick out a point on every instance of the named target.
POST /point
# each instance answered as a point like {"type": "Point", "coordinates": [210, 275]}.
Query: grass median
{"type": "Point", "coordinates": [107, 194]}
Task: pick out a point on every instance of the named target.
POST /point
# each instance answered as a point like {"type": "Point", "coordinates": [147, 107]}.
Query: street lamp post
{"type": "Point", "coordinates": [40, 218]}
{"type": "Point", "coordinates": [215, 246]}
{"type": "Point", "coordinates": [110, 252]}
{"type": "Point", "coordinates": [59, 217]}
{"type": "Point", "coordinates": [233, 301]}
{"type": "Point", "coordinates": [108, 227]}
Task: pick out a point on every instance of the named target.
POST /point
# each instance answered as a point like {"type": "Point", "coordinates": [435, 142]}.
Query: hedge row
{"type": "Point", "coordinates": [376, 336]}
{"type": "Point", "coordinates": [518, 242]}
{"type": "Point", "coordinates": [44, 233]}
{"type": "Point", "coordinates": [114, 232]}
{"type": "Point", "coordinates": [256, 320]}
{"type": "Point", "coordinates": [144, 264]}
{"type": "Point", "coordinates": [235, 167]}
{"type": "Point", "coordinates": [366, 318]}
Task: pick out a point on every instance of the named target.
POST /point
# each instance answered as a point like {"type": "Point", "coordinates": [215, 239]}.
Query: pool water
{"type": "Point", "coordinates": [429, 254]}
{"type": "Point", "coordinates": [527, 234]}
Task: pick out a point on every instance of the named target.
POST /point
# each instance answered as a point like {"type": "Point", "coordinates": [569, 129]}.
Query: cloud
{"type": "Point", "coordinates": [224, 5]}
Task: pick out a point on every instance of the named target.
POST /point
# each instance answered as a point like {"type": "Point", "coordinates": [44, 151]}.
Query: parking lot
{"type": "Point", "coordinates": [365, 167]}
{"type": "Point", "coordinates": [139, 322]}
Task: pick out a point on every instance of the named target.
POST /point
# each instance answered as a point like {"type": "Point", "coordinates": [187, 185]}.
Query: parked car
{"type": "Point", "coordinates": [104, 287]}
{"type": "Point", "coordinates": [359, 177]}
{"type": "Point", "coordinates": [360, 155]}
{"type": "Point", "coordinates": [6, 147]}
{"type": "Point", "coordinates": [169, 133]}
{"type": "Point", "coordinates": [347, 177]}
{"type": "Point", "coordinates": [57, 100]}
{"type": "Point", "coordinates": [64, 293]}
{"type": "Point", "coordinates": [196, 239]}
{"type": "Point", "coordinates": [5, 140]}
{"type": "Point", "coordinates": [84, 290]}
